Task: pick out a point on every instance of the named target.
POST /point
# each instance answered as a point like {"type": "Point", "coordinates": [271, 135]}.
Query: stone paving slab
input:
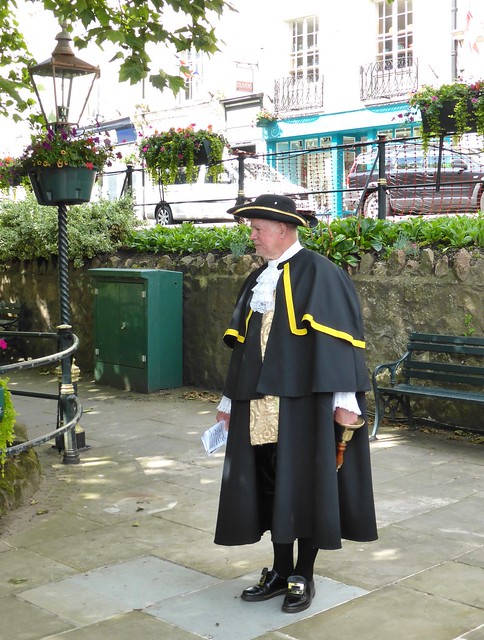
{"type": "Point", "coordinates": [100, 594]}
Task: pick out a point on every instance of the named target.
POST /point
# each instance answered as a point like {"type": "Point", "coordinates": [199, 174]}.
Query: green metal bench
{"type": "Point", "coordinates": [437, 366]}
{"type": "Point", "coordinates": [9, 315]}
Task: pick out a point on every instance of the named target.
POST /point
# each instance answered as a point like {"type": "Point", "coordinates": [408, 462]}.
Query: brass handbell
{"type": "Point", "coordinates": [348, 431]}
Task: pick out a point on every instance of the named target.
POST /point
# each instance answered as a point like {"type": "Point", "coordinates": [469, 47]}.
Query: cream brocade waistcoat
{"type": "Point", "coordinates": [264, 412]}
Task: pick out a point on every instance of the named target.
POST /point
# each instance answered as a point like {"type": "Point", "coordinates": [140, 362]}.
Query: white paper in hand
{"type": "Point", "coordinates": [215, 437]}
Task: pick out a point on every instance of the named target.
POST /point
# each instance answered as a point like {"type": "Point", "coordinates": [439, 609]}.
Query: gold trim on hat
{"type": "Point", "coordinates": [283, 213]}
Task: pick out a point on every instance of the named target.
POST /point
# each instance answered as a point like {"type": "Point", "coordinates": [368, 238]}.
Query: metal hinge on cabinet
{"type": "Point", "coordinates": [96, 352]}
{"type": "Point", "coordinates": [143, 358]}
{"type": "Point", "coordinates": [143, 294]}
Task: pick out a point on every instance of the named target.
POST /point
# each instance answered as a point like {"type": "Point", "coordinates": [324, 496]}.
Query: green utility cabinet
{"type": "Point", "coordinates": [138, 328]}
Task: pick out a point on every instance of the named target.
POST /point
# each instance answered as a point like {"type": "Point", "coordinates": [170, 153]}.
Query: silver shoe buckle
{"type": "Point", "coordinates": [296, 588]}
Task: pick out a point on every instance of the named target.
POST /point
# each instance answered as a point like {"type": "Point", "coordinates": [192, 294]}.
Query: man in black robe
{"type": "Point", "coordinates": [296, 375]}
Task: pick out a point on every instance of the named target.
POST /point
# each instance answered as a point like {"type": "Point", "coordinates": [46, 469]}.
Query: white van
{"type": "Point", "coordinates": [203, 200]}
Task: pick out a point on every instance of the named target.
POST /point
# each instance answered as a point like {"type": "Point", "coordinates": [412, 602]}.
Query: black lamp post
{"type": "Point", "coordinates": [72, 80]}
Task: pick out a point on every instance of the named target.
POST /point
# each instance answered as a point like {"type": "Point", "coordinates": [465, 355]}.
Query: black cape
{"type": "Point", "coordinates": [315, 347]}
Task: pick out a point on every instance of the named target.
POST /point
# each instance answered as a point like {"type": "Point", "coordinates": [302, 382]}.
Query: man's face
{"type": "Point", "coordinates": [268, 238]}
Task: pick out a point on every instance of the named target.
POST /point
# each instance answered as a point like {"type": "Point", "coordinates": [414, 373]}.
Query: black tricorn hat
{"type": "Point", "coordinates": [277, 208]}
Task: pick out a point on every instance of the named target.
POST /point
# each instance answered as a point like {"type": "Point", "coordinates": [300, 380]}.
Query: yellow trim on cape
{"type": "Point", "coordinates": [236, 334]}
{"type": "Point", "coordinates": [307, 316]}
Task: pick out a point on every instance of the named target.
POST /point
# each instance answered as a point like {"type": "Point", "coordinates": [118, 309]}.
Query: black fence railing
{"type": "Point", "coordinates": [334, 181]}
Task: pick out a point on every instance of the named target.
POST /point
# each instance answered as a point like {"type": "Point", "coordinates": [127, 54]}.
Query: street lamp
{"type": "Point", "coordinates": [72, 81]}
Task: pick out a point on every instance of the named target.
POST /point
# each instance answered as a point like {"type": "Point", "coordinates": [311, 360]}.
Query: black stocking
{"type": "Point", "coordinates": [283, 559]}
{"type": "Point", "coordinates": [306, 557]}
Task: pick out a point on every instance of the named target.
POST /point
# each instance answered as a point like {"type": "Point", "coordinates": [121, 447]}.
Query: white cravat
{"type": "Point", "coordinates": [263, 292]}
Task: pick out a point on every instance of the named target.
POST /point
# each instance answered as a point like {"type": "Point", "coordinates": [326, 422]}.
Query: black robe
{"type": "Point", "coordinates": [315, 347]}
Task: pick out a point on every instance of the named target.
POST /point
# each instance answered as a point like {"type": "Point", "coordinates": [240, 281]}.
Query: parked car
{"type": "Point", "coordinates": [203, 200]}
{"type": "Point", "coordinates": [412, 181]}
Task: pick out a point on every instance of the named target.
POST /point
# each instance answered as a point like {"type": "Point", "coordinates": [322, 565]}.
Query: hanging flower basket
{"type": "Point", "coordinates": [65, 185]}
{"type": "Point", "coordinates": [452, 109]}
{"type": "Point", "coordinates": [445, 122]}
{"type": "Point", "coordinates": [11, 174]}
{"type": "Point", "coordinates": [264, 118]}
{"type": "Point", "coordinates": [264, 122]}
{"type": "Point", "coordinates": [62, 164]}
{"type": "Point", "coordinates": [164, 153]}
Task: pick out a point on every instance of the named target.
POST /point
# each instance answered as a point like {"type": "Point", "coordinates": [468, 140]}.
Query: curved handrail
{"type": "Point", "coordinates": [28, 444]}
{"type": "Point", "coordinates": [38, 362]}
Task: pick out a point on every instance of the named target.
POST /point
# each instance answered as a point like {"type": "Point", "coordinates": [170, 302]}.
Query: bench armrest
{"type": "Point", "coordinates": [390, 366]}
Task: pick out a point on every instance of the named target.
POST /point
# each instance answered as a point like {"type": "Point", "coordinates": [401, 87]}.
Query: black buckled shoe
{"type": "Point", "coordinates": [300, 594]}
{"type": "Point", "coordinates": [271, 584]}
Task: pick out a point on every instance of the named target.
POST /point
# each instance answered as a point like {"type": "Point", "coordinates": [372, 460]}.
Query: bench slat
{"type": "Point", "coordinates": [444, 372]}
{"type": "Point", "coordinates": [457, 349]}
{"type": "Point", "coordinates": [446, 339]}
{"type": "Point", "coordinates": [445, 366]}
{"type": "Point", "coordinates": [450, 377]}
{"type": "Point", "coordinates": [438, 392]}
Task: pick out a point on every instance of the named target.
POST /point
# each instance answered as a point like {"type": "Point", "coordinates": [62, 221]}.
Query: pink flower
{"type": "Point", "coordinates": [3, 344]}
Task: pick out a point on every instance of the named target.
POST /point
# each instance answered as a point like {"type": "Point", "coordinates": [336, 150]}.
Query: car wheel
{"type": "Point", "coordinates": [370, 208]}
{"type": "Point", "coordinates": [163, 214]}
{"type": "Point", "coordinates": [482, 202]}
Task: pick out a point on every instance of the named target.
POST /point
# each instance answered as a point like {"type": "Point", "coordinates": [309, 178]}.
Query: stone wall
{"type": "Point", "coordinates": [438, 294]}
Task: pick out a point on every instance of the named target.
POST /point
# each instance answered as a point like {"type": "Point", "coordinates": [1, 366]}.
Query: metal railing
{"type": "Point", "coordinates": [67, 400]}
{"type": "Point", "coordinates": [297, 94]}
{"type": "Point", "coordinates": [381, 80]}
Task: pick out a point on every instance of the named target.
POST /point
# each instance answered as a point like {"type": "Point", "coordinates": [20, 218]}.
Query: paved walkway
{"type": "Point", "coordinates": [121, 545]}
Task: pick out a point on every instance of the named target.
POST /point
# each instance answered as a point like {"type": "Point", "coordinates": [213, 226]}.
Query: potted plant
{"type": "Point", "coordinates": [62, 164]}
{"type": "Point", "coordinates": [264, 118]}
{"type": "Point", "coordinates": [456, 109]}
{"type": "Point", "coordinates": [164, 153]}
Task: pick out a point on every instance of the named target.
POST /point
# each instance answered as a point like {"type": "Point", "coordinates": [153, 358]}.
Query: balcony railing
{"type": "Point", "coordinates": [297, 94]}
{"type": "Point", "coordinates": [382, 80]}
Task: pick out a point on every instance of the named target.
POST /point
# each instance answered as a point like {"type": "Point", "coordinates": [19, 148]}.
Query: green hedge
{"type": "Point", "coordinates": [29, 231]}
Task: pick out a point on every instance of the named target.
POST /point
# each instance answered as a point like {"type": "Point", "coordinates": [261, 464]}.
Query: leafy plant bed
{"type": "Point", "coordinates": [343, 240]}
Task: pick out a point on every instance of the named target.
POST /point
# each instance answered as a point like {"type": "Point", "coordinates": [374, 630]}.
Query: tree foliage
{"type": "Point", "coordinates": [130, 25]}
{"type": "Point", "coordinates": [14, 62]}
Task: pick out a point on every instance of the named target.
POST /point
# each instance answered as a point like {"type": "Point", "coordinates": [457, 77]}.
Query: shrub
{"type": "Point", "coordinates": [29, 231]}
